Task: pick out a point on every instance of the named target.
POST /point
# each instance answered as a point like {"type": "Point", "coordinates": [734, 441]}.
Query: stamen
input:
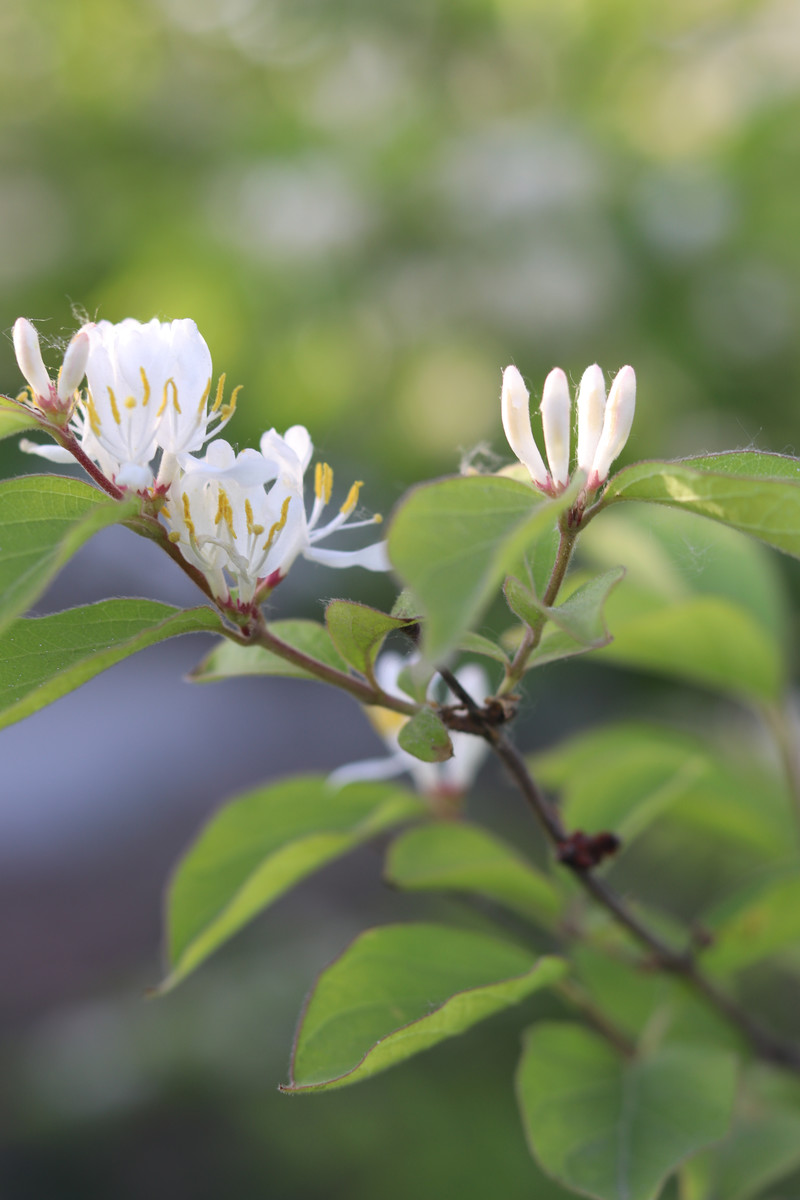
{"type": "Point", "coordinates": [255, 530]}
{"type": "Point", "coordinates": [173, 537]}
{"type": "Point", "coordinates": [204, 397]}
{"type": "Point", "coordinates": [114, 409]}
{"type": "Point", "coordinates": [323, 482]}
{"type": "Point", "coordinates": [220, 391]}
{"type": "Point", "coordinates": [352, 498]}
{"type": "Point", "coordinates": [92, 414]}
{"type": "Point", "coordinates": [176, 406]}
{"type": "Point", "coordinates": [187, 516]}
{"type": "Point", "coordinates": [145, 385]}
{"type": "Point", "coordinates": [130, 402]}
{"type": "Point", "coordinates": [278, 526]}
{"type": "Point", "coordinates": [377, 519]}
{"type": "Point", "coordinates": [230, 408]}
{"type": "Point", "coordinates": [225, 512]}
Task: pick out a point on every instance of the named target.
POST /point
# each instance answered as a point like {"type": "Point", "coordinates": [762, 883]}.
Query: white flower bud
{"type": "Point", "coordinates": [591, 406]}
{"type": "Point", "coordinates": [515, 411]}
{"type": "Point", "coordinates": [617, 423]}
{"type": "Point", "coordinates": [555, 409]}
{"type": "Point", "coordinates": [29, 358]}
{"type": "Point", "coordinates": [73, 368]}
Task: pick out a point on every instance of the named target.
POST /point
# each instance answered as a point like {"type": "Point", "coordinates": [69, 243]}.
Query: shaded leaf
{"type": "Point", "coordinates": [400, 989]}
{"type": "Point", "coordinates": [14, 418]}
{"type": "Point", "coordinates": [358, 631]}
{"type": "Point", "coordinates": [229, 659]}
{"type": "Point", "coordinates": [42, 658]}
{"type": "Point", "coordinates": [457, 856]}
{"type": "Point", "coordinates": [258, 846]}
{"type": "Point", "coordinates": [452, 541]}
{"type": "Point", "coordinates": [760, 920]}
{"type": "Point", "coordinates": [44, 520]}
{"type": "Point", "coordinates": [424, 736]}
{"type": "Point", "coordinates": [615, 1129]}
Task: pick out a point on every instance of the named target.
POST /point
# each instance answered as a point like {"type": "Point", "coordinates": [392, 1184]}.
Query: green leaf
{"type": "Point", "coordinates": [579, 620]}
{"type": "Point", "coordinates": [756, 493]}
{"type": "Point", "coordinates": [457, 856]}
{"type": "Point", "coordinates": [476, 643]}
{"type": "Point", "coordinates": [228, 659]}
{"type": "Point", "coordinates": [425, 737]}
{"type": "Point", "coordinates": [623, 777]}
{"type": "Point", "coordinates": [358, 632]}
{"type": "Point", "coordinates": [400, 989]}
{"type": "Point", "coordinates": [42, 658]}
{"type": "Point", "coordinates": [258, 846]}
{"type": "Point", "coordinates": [44, 520]}
{"type": "Point", "coordinates": [14, 418]}
{"type": "Point", "coordinates": [758, 921]}
{"type": "Point", "coordinates": [615, 1129]}
{"type": "Point", "coordinates": [454, 540]}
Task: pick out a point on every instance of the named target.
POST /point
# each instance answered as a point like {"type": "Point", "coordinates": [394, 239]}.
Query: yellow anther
{"type": "Point", "coordinates": [26, 396]}
{"type": "Point", "coordinates": [114, 410]}
{"type": "Point", "coordinates": [384, 721]}
{"type": "Point", "coordinates": [220, 392]}
{"type": "Point", "coordinates": [278, 526]}
{"type": "Point", "coordinates": [175, 404]}
{"type": "Point", "coordinates": [91, 412]}
{"type": "Point", "coordinates": [252, 528]}
{"type": "Point", "coordinates": [130, 402]}
{"type": "Point", "coordinates": [173, 537]}
{"type": "Point", "coordinates": [352, 498]}
{"type": "Point", "coordinates": [377, 519]}
{"type": "Point", "coordinates": [204, 397]}
{"type": "Point", "coordinates": [230, 408]}
{"type": "Point", "coordinates": [225, 512]}
{"type": "Point", "coordinates": [187, 515]}
{"type": "Point", "coordinates": [323, 482]}
{"type": "Point", "coordinates": [145, 385]}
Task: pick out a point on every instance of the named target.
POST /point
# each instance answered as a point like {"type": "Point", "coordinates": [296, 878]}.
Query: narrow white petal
{"type": "Point", "coordinates": [368, 769]}
{"type": "Point", "coordinates": [591, 409]}
{"type": "Point", "coordinates": [373, 558]}
{"type": "Point", "coordinates": [515, 412]}
{"type": "Point", "coordinates": [134, 476]}
{"type": "Point", "coordinates": [56, 454]}
{"type": "Point", "coordinates": [29, 357]}
{"type": "Point", "coordinates": [555, 410]}
{"type": "Point", "coordinates": [617, 423]}
{"type": "Point", "coordinates": [74, 366]}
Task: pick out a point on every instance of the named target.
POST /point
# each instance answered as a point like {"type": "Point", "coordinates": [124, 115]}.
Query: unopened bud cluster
{"type": "Point", "coordinates": [603, 425]}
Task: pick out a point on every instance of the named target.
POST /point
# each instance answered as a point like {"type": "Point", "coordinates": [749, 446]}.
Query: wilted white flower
{"type": "Point", "coordinates": [149, 390]}
{"type": "Point", "coordinates": [243, 516]}
{"type": "Point", "coordinates": [452, 777]}
{"type": "Point", "coordinates": [603, 425]}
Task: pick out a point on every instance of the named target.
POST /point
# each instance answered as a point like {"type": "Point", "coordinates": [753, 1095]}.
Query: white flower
{"type": "Point", "coordinates": [50, 397]}
{"type": "Point", "coordinates": [603, 426]}
{"type": "Point", "coordinates": [452, 777]}
{"type": "Point", "coordinates": [244, 515]}
{"type": "Point", "coordinates": [149, 387]}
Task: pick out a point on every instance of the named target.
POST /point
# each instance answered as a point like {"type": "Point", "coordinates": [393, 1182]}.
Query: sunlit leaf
{"type": "Point", "coordinates": [42, 658]}
{"type": "Point", "coordinates": [258, 846]}
{"type": "Point", "coordinates": [400, 989]}
{"type": "Point", "coordinates": [611, 1128]}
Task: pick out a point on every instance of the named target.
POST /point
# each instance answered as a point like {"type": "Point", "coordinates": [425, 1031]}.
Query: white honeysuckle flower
{"type": "Point", "coordinates": [149, 388]}
{"type": "Point", "coordinates": [49, 396]}
{"type": "Point", "coordinates": [243, 516]}
{"type": "Point", "coordinates": [515, 412]}
{"type": "Point", "coordinates": [451, 778]}
{"type": "Point", "coordinates": [603, 425]}
{"type": "Point", "coordinates": [556, 419]}
{"type": "Point", "coordinates": [617, 422]}
{"type": "Point", "coordinates": [591, 406]}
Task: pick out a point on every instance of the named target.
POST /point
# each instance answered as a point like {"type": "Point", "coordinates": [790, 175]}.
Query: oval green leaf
{"type": "Point", "coordinates": [229, 659]}
{"type": "Point", "coordinates": [43, 658]}
{"type": "Point", "coordinates": [400, 989]}
{"type": "Point", "coordinates": [15, 418]}
{"type": "Point", "coordinates": [44, 520]}
{"type": "Point", "coordinates": [358, 631]}
{"type": "Point", "coordinates": [258, 846]}
{"type": "Point", "coordinates": [457, 856]}
{"type": "Point", "coordinates": [615, 1129]}
{"type": "Point", "coordinates": [425, 737]}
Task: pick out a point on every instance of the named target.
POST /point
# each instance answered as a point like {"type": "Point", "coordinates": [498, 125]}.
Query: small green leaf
{"type": "Point", "coordinates": [457, 856]}
{"type": "Point", "coordinates": [758, 494]}
{"type": "Point", "coordinates": [452, 541]}
{"type": "Point", "coordinates": [615, 1129]}
{"type": "Point", "coordinates": [425, 737]}
{"type": "Point", "coordinates": [580, 617]}
{"type": "Point", "coordinates": [358, 631]}
{"type": "Point", "coordinates": [229, 659]}
{"type": "Point", "coordinates": [15, 418]}
{"type": "Point", "coordinates": [400, 989]}
{"type": "Point", "coordinates": [476, 643]}
{"type": "Point", "coordinates": [42, 658]}
{"type": "Point", "coordinates": [258, 846]}
{"type": "Point", "coordinates": [760, 920]}
{"type": "Point", "coordinates": [44, 520]}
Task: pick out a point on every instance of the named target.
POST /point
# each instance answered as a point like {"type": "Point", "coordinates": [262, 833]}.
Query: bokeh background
{"type": "Point", "coordinates": [369, 209]}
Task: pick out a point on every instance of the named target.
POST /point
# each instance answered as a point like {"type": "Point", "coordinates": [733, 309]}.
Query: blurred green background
{"type": "Point", "coordinates": [369, 209]}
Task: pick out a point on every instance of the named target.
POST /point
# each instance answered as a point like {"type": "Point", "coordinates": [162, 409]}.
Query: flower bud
{"type": "Point", "coordinates": [591, 409]}
{"type": "Point", "coordinates": [73, 368]}
{"type": "Point", "coordinates": [617, 423]}
{"type": "Point", "coordinates": [515, 411]}
{"type": "Point", "coordinates": [29, 358]}
{"type": "Point", "coordinates": [555, 409]}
